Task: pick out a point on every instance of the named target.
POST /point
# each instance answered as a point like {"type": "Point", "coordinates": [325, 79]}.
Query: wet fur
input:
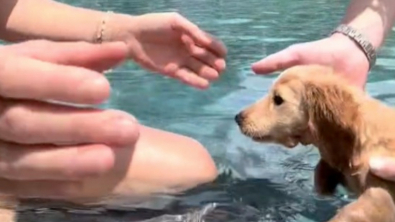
{"type": "Point", "coordinates": [346, 125]}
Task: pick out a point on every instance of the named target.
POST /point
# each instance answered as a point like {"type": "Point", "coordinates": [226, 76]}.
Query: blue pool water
{"type": "Point", "coordinates": [257, 182]}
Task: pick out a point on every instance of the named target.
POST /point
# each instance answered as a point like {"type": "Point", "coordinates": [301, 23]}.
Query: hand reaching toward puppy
{"type": "Point", "coordinates": [337, 51]}
{"type": "Point", "coordinates": [169, 44]}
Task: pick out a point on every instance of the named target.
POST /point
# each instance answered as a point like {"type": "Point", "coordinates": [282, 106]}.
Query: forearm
{"type": "Point", "coordinates": [47, 19]}
{"type": "Point", "coordinates": [374, 18]}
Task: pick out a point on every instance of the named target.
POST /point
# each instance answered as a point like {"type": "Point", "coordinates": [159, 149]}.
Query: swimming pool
{"type": "Point", "coordinates": [257, 183]}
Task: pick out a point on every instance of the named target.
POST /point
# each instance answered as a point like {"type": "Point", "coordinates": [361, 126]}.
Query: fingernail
{"type": "Point", "coordinates": [377, 164]}
{"type": "Point", "coordinates": [123, 131]}
{"type": "Point", "coordinates": [97, 89]}
{"type": "Point", "coordinates": [108, 71]}
{"type": "Point", "coordinates": [221, 65]}
{"type": "Point", "coordinates": [99, 82]}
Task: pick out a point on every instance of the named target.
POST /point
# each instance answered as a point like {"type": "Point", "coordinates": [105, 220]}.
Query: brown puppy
{"type": "Point", "coordinates": [311, 104]}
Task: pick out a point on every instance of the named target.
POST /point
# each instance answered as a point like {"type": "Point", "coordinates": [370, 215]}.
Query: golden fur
{"type": "Point", "coordinates": [311, 104]}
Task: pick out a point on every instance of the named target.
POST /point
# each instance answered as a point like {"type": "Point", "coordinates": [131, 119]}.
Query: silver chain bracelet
{"type": "Point", "coordinates": [360, 40]}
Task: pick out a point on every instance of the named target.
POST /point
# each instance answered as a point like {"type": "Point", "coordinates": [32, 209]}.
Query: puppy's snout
{"type": "Point", "coordinates": [239, 118]}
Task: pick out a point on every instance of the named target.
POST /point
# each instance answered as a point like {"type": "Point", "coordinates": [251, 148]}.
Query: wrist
{"type": "Point", "coordinates": [347, 43]}
{"type": "Point", "coordinates": [375, 34]}
{"type": "Point", "coordinates": [360, 41]}
{"type": "Point", "coordinates": [350, 48]}
{"type": "Point", "coordinates": [372, 18]}
{"type": "Point", "coordinates": [349, 59]}
{"type": "Point", "coordinates": [119, 27]}
{"type": "Point", "coordinates": [124, 28]}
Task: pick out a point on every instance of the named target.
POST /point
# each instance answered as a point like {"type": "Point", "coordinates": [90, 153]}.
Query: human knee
{"type": "Point", "coordinates": [201, 165]}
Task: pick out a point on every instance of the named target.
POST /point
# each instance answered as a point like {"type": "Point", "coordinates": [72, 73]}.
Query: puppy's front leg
{"type": "Point", "coordinates": [374, 205]}
{"type": "Point", "coordinates": [326, 178]}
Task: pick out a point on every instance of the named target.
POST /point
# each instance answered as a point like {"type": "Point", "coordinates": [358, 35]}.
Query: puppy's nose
{"type": "Point", "coordinates": [239, 118]}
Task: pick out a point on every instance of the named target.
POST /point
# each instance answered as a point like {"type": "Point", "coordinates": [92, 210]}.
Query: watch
{"type": "Point", "coordinates": [360, 40]}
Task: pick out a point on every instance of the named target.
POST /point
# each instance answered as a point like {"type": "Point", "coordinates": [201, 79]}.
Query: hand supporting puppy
{"type": "Point", "coordinates": [383, 167]}
{"type": "Point", "coordinates": [375, 204]}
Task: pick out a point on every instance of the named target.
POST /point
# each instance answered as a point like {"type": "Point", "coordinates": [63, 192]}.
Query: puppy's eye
{"type": "Point", "coordinates": [278, 100]}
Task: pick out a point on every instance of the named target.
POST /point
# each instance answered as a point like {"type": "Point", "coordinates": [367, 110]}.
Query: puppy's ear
{"type": "Point", "coordinates": [334, 114]}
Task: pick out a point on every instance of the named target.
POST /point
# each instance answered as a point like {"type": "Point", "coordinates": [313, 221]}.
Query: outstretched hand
{"type": "Point", "coordinates": [169, 44]}
{"type": "Point", "coordinates": [337, 51]}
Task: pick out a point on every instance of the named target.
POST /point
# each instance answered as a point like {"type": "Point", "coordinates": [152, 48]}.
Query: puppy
{"type": "Point", "coordinates": [311, 104]}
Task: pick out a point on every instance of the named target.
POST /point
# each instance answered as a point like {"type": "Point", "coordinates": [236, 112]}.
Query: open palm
{"type": "Point", "coordinates": [169, 44]}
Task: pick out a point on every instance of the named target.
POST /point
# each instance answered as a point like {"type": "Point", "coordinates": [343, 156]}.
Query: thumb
{"type": "Point", "coordinates": [383, 167]}
{"type": "Point", "coordinates": [277, 61]}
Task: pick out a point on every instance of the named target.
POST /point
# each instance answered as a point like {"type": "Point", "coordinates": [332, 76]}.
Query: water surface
{"type": "Point", "coordinates": [257, 182]}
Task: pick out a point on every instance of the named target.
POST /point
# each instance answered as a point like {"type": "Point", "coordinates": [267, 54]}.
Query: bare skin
{"type": "Point", "coordinates": [63, 168]}
{"type": "Point", "coordinates": [57, 151]}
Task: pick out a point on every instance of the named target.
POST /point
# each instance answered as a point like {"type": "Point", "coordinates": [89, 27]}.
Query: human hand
{"type": "Point", "coordinates": [383, 167]}
{"type": "Point", "coordinates": [46, 149]}
{"type": "Point", "coordinates": [337, 51]}
{"type": "Point", "coordinates": [169, 44]}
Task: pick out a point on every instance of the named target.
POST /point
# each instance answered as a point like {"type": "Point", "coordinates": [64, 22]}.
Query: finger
{"type": "Point", "coordinates": [201, 69]}
{"type": "Point", "coordinates": [188, 77]}
{"type": "Point", "coordinates": [204, 55]}
{"type": "Point", "coordinates": [46, 81]}
{"type": "Point", "coordinates": [202, 38]}
{"type": "Point", "coordinates": [39, 123]}
{"type": "Point", "coordinates": [276, 62]}
{"type": "Point", "coordinates": [97, 57]}
{"type": "Point", "coordinates": [41, 189]}
{"type": "Point", "coordinates": [383, 167]}
{"type": "Point", "coordinates": [40, 162]}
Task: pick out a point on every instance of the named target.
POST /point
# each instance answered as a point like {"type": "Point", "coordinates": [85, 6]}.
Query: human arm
{"type": "Point", "coordinates": [372, 18]}
{"type": "Point", "coordinates": [56, 151]}
{"type": "Point", "coordinates": [46, 19]}
{"type": "Point", "coordinates": [183, 51]}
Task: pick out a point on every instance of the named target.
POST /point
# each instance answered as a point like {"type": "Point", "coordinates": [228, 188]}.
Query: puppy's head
{"type": "Point", "coordinates": [301, 99]}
